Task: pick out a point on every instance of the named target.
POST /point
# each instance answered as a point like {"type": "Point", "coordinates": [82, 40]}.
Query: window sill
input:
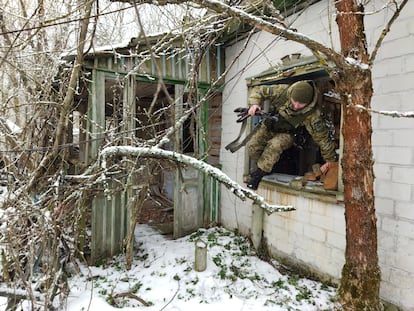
{"type": "Point", "coordinates": [292, 184]}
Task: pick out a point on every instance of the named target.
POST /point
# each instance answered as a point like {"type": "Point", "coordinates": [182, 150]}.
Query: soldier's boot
{"type": "Point", "coordinates": [255, 179]}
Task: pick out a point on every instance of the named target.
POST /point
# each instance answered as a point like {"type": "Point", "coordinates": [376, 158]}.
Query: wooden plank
{"type": "Point", "coordinates": [257, 225]}
{"type": "Point", "coordinates": [129, 108]}
{"type": "Point", "coordinates": [96, 113]}
{"type": "Point", "coordinates": [187, 200]}
{"type": "Point", "coordinates": [117, 220]}
{"type": "Point", "coordinates": [97, 238]}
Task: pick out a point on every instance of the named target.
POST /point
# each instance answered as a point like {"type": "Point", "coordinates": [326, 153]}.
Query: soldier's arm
{"type": "Point", "coordinates": [256, 96]}
{"type": "Point", "coordinates": [317, 128]}
{"type": "Point", "coordinates": [260, 93]}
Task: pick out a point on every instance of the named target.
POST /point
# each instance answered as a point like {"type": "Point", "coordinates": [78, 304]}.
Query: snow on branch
{"type": "Point", "coordinates": [154, 152]}
{"type": "Point", "coordinates": [17, 293]}
{"type": "Point", "coordinates": [394, 114]}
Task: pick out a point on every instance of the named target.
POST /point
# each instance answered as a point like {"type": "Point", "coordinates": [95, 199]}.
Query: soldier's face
{"type": "Point", "coordinates": [296, 106]}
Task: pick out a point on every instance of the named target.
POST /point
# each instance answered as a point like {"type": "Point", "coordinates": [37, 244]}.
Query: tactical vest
{"type": "Point", "coordinates": [289, 120]}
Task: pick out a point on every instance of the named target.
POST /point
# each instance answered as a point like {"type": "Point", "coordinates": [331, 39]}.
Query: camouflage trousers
{"type": "Point", "coordinates": [265, 147]}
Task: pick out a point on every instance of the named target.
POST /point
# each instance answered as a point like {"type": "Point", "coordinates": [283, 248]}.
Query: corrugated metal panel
{"type": "Point", "coordinates": [173, 65]}
{"type": "Point", "coordinates": [109, 224]}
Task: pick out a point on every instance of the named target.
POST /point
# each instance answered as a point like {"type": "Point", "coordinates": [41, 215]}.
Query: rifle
{"type": "Point", "coordinates": [243, 115]}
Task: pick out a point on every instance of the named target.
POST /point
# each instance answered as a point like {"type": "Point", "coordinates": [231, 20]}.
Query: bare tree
{"type": "Point", "coordinates": [34, 240]}
{"type": "Point", "coordinates": [360, 281]}
{"type": "Point", "coordinates": [45, 209]}
{"type": "Point", "coordinates": [37, 156]}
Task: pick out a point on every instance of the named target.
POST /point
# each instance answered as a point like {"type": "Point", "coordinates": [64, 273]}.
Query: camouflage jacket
{"type": "Point", "coordinates": [278, 97]}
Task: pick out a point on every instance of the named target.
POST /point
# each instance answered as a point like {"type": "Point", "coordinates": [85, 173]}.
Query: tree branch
{"type": "Point", "coordinates": [394, 114]}
{"type": "Point", "coordinates": [19, 294]}
{"type": "Point", "coordinates": [221, 7]}
{"type": "Point", "coordinates": [234, 187]}
{"type": "Point", "coordinates": [132, 296]}
{"type": "Point", "coordinates": [385, 31]}
{"type": "Point", "coordinates": [67, 102]}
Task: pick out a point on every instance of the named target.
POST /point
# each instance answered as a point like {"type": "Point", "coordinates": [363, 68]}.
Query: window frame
{"type": "Point", "coordinates": [295, 68]}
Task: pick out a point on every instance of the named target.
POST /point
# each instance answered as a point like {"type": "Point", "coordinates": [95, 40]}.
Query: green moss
{"type": "Point", "coordinates": [359, 289]}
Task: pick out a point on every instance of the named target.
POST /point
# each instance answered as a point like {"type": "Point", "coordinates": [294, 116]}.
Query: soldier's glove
{"type": "Point", "coordinates": [242, 114]}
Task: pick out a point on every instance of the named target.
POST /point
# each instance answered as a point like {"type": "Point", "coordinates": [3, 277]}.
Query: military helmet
{"type": "Point", "coordinates": [302, 91]}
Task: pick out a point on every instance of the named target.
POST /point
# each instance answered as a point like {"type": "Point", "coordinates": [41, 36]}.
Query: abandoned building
{"type": "Point", "coordinates": [118, 95]}
{"type": "Point", "coordinates": [119, 91]}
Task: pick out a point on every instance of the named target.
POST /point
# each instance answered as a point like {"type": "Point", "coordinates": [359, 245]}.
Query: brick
{"type": "Point", "coordinates": [384, 206]}
{"type": "Point", "coordinates": [314, 233]}
{"type": "Point", "coordinates": [302, 215]}
{"type": "Point", "coordinates": [389, 292]}
{"type": "Point", "coordinates": [389, 123]}
{"type": "Point", "coordinates": [331, 268]}
{"type": "Point", "coordinates": [393, 155]}
{"type": "Point", "coordinates": [401, 279]}
{"type": "Point", "coordinates": [327, 265]}
{"type": "Point", "coordinates": [318, 249]}
{"type": "Point", "coordinates": [323, 222]}
{"type": "Point", "coordinates": [294, 226]}
{"type": "Point", "coordinates": [386, 243]}
{"type": "Point", "coordinates": [405, 263]}
{"type": "Point", "coordinates": [336, 240]}
{"type": "Point", "coordinates": [285, 247]}
{"type": "Point", "coordinates": [400, 138]}
{"type": "Point", "coordinates": [408, 63]}
{"type": "Point", "coordinates": [400, 29]}
{"type": "Point", "coordinates": [336, 211]}
{"type": "Point", "coordinates": [276, 235]}
{"type": "Point", "coordinates": [386, 102]}
{"type": "Point", "coordinates": [382, 171]}
{"type": "Point", "coordinates": [392, 190]}
{"type": "Point", "coordinates": [406, 229]}
{"type": "Point", "coordinates": [395, 48]}
{"type": "Point", "coordinates": [388, 67]}
{"type": "Point", "coordinates": [405, 299]}
{"type": "Point", "coordinates": [403, 175]}
{"type": "Point", "coordinates": [389, 225]}
{"type": "Point", "coordinates": [382, 138]}
{"type": "Point", "coordinates": [338, 256]}
{"type": "Point", "coordinates": [339, 225]}
{"type": "Point", "coordinates": [304, 255]}
{"type": "Point", "coordinates": [278, 222]}
{"type": "Point", "coordinates": [405, 245]}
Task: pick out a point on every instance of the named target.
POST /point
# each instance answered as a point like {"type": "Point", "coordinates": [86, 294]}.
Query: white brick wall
{"type": "Point", "coordinates": [314, 235]}
{"type": "Point", "coordinates": [394, 169]}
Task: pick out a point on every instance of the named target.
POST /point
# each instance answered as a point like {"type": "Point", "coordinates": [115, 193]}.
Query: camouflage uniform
{"type": "Point", "coordinates": [272, 138]}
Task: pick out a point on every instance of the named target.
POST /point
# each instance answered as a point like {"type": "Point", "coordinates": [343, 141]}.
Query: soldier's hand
{"type": "Point", "coordinates": [325, 167]}
{"type": "Point", "coordinates": [254, 109]}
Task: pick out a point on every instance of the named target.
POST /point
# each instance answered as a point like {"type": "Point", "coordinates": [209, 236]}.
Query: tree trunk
{"type": "Point", "coordinates": [360, 283]}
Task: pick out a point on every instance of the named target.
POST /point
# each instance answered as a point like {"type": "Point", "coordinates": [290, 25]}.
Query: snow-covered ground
{"type": "Point", "coordinates": [163, 277]}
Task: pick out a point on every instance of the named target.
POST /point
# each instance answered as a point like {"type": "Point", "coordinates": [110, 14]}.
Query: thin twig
{"type": "Point", "coordinates": [132, 296]}
{"type": "Point", "coordinates": [394, 114]}
{"type": "Point", "coordinates": [385, 31]}
{"type": "Point", "coordinates": [173, 297]}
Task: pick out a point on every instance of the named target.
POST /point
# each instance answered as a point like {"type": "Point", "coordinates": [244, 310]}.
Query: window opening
{"type": "Point", "coordinates": [113, 110]}
{"type": "Point", "coordinates": [189, 132]}
{"type": "Point", "coordinates": [300, 158]}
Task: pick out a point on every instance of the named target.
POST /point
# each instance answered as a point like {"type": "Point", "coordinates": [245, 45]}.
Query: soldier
{"type": "Point", "coordinates": [296, 105]}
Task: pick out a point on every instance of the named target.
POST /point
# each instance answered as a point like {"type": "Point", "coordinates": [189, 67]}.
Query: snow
{"type": "Point", "coordinates": [357, 63]}
{"type": "Point", "coordinates": [214, 172]}
{"type": "Point", "coordinates": [163, 276]}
